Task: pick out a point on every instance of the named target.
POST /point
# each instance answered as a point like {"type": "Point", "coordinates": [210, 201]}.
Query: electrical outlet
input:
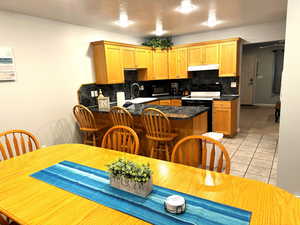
{"type": "Point", "coordinates": [233, 84]}
{"type": "Point", "coordinates": [92, 93]}
{"type": "Point", "coordinates": [96, 93]}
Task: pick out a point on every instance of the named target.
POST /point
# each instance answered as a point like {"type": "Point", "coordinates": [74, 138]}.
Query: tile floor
{"type": "Point", "coordinates": [254, 150]}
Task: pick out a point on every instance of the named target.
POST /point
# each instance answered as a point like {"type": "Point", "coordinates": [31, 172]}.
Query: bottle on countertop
{"type": "Point", "coordinates": [103, 102]}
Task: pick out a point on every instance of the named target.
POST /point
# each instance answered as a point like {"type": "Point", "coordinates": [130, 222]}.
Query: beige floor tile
{"type": "Point", "coordinates": [239, 166]}
{"type": "Point", "coordinates": [241, 159]}
{"type": "Point", "coordinates": [254, 136]}
{"type": "Point", "coordinates": [247, 148]}
{"type": "Point", "coordinates": [264, 155]}
{"type": "Point", "coordinates": [266, 150]}
{"type": "Point", "coordinates": [261, 171]}
{"type": "Point", "coordinates": [256, 177]}
{"type": "Point", "coordinates": [274, 173]}
{"type": "Point", "coordinates": [250, 143]}
{"type": "Point", "coordinates": [267, 145]}
{"type": "Point", "coordinates": [231, 146]}
{"type": "Point", "coordinates": [237, 173]}
{"type": "Point", "coordinates": [261, 163]}
{"type": "Point", "coordinates": [273, 181]}
{"type": "Point", "coordinates": [244, 153]}
{"type": "Point", "coordinates": [275, 165]}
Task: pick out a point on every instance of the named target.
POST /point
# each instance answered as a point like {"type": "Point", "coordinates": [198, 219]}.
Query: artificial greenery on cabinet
{"type": "Point", "coordinates": [156, 42]}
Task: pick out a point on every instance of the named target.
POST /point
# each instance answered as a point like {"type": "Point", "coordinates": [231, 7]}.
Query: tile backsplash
{"type": "Point", "coordinates": [85, 98]}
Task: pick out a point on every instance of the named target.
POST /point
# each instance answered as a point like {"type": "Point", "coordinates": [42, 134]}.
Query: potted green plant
{"type": "Point", "coordinates": [131, 177]}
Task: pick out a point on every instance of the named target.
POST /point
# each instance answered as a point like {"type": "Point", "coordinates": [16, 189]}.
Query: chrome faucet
{"type": "Point", "coordinates": [132, 90]}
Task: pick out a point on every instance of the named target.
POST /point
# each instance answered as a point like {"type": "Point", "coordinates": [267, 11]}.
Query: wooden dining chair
{"type": "Point", "coordinates": [209, 148]}
{"type": "Point", "coordinates": [17, 142]}
{"type": "Point", "coordinates": [158, 132]}
{"type": "Point", "coordinates": [121, 138]}
{"type": "Point", "coordinates": [90, 130]}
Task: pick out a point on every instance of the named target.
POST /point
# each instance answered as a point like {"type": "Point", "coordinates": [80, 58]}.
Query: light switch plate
{"type": "Point", "coordinates": [233, 84]}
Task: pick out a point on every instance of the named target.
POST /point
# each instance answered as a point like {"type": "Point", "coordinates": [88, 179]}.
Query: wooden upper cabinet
{"type": "Point", "coordinates": [160, 65]}
{"type": "Point", "coordinates": [211, 54]}
{"type": "Point", "coordinates": [178, 63]}
{"type": "Point", "coordinates": [195, 56]}
{"type": "Point", "coordinates": [228, 59]}
{"type": "Point", "coordinates": [173, 68]}
{"type": "Point", "coordinates": [108, 64]}
{"type": "Point", "coordinates": [128, 55]}
{"type": "Point", "coordinates": [144, 64]}
{"type": "Point", "coordinates": [142, 58]}
{"type": "Point", "coordinates": [182, 62]}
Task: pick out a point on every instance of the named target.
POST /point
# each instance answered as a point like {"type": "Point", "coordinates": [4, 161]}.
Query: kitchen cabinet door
{"type": "Point", "coordinates": [182, 63]}
{"type": "Point", "coordinates": [128, 55]}
{"type": "Point", "coordinates": [165, 102]}
{"type": "Point", "coordinates": [142, 58]}
{"type": "Point", "coordinates": [195, 56]}
{"type": "Point", "coordinates": [173, 68]}
{"type": "Point", "coordinates": [211, 54]}
{"type": "Point", "coordinates": [228, 59]}
{"type": "Point", "coordinates": [144, 64]}
{"type": "Point", "coordinates": [160, 65]}
{"type": "Point", "coordinates": [221, 120]}
{"type": "Point", "coordinates": [176, 102]}
{"type": "Point", "coordinates": [114, 68]}
{"type": "Point", "coordinates": [225, 117]}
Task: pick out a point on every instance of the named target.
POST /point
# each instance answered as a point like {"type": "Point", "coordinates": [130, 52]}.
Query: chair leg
{"type": "Point", "coordinates": [167, 152]}
{"type": "Point", "coordinates": [152, 149]}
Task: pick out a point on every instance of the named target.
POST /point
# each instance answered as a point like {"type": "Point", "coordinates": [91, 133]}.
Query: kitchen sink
{"type": "Point", "coordinates": [141, 100]}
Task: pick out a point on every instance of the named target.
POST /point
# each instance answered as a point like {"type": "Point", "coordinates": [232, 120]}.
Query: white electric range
{"type": "Point", "coordinates": [204, 99]}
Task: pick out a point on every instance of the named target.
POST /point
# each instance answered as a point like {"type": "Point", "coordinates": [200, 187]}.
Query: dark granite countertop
{"type": "Point", "coordinates": [172, 112]}
{"type": "Point", "coordinates": [222, 97]}
{"type": "Point", "coordinates": [227, 98]}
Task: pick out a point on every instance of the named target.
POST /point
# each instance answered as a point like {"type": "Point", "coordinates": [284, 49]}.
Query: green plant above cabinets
{"type": "Point", "coordinates": [156, 42]}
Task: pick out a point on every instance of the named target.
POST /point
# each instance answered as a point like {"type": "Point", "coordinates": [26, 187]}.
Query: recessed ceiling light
{"type": "Point", "coordinates": [186, 7]}
{"type": "Point", "coordinates": [123, 20]}
{"type": "Point", "coordinates": [212, 20]}
{"type": "Point", "coordinates": [159, 31]}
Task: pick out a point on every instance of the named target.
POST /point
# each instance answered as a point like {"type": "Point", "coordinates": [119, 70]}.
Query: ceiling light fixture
{"type": "Point", "coordinates": [186, 7]}
{"type": "Point", "coordinates": [212, 20]}
{"type": "Point", "coordinates": [159, 31]}
{"type": "Point", "coordinates": [123, 20]}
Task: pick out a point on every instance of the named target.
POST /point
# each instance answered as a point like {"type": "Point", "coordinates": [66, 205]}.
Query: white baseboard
{"type": "Point", "coordinates": [266, 105]}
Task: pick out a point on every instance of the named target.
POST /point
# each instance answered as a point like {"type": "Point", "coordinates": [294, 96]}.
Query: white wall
{"type": "Point", "coordinates": [252, 34]}
{"type": "Point", "coordinates": [289, 136]}
{"type": "Point", "coordinates": [52, 59]}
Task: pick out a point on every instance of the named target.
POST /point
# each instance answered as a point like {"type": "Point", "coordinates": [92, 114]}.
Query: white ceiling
{"type": "Point", "coordinates": [102, 13]}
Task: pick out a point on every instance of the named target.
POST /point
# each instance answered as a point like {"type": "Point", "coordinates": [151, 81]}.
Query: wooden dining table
{"type": "Point", "coordinates": [29, 201]}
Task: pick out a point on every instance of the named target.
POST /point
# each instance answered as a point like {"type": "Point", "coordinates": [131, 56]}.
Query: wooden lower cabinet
{"type": "Point", "coordinates": [225, 117]}
{"type": "Point", "coordinates": [171, 102]}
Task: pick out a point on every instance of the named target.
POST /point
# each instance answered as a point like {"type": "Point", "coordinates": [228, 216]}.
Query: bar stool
{"type": "Point", "coordinates": [158, 132]}
{"type": "Point", "coordinates": [121, 117]}
{"type": "Point", "coordinates": [86, 121]}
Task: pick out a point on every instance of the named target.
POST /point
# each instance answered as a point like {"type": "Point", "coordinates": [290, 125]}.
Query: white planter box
{"type": "Point", "coordinates": [131, 186]}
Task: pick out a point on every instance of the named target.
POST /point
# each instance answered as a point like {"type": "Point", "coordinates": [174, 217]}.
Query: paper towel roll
{"type": "Point", "coordinates": [120, 98]}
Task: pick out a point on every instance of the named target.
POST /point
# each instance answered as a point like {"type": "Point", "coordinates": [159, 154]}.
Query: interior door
{"type": "Point", "coordinates": [248, 79]}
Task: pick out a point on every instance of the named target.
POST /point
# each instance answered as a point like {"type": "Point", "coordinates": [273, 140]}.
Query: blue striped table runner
{"type": "Point", "coordinates": [93, 184]}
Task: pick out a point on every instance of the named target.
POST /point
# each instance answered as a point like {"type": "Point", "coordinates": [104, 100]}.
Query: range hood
{"type": "Point", "coordinates": [204, 67]}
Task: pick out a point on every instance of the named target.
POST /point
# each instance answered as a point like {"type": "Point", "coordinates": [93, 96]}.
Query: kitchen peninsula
{"type": "Point", "coordinates": [185, 120]}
